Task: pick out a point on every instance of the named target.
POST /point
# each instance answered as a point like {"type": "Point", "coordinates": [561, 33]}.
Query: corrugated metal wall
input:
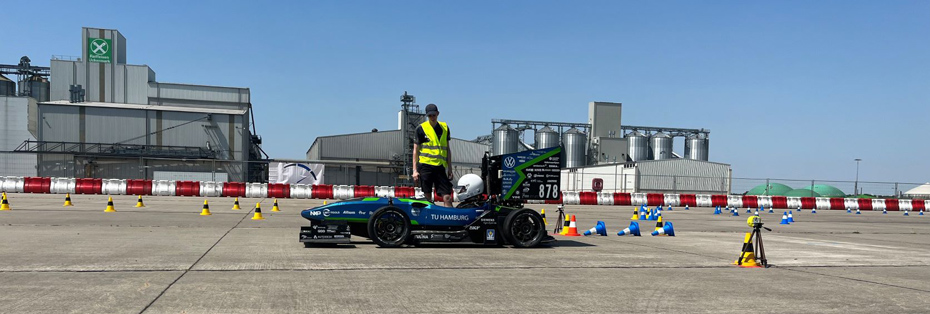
{"type": "Point", "coordinates": [112, 125]}
{"type": "Point", "coordinates": [467, 152]}
{"type": "Point", "coordinates": [59, 123]}
{"type": "Point", "coordinates": [14, 129]}
{"type": "Point", "coordinates": [122, 83]}
{"type": "Point", "coordinates": [683, 176]}
{"type": "Point", "coordinates": [363, 146]}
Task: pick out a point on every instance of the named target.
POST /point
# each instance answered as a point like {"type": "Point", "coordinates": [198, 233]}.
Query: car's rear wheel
{"type": "Point", "coordinates": [389, 227]}
{"type": "Point", "coordinates": [524, 228]}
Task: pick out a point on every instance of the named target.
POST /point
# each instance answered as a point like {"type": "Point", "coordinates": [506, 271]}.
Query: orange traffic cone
{"type": "Point", "coordinates": [572, 229]}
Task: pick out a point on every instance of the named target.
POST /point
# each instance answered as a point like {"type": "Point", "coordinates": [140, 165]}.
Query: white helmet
{"type": "Point", "coordinates": [468, 186]}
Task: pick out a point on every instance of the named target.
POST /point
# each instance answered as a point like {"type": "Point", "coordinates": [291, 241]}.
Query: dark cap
{"type": "Point", "coordinates": [432, 109]}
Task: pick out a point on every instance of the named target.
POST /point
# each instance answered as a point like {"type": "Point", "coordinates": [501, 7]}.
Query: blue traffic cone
{"type": "Point", "coordinates": [784, 219]}
{"type": "Point", "coordinates": [790, 217]}
{"type": "Point", "coordinates": [884, 211]}
{"type": "Point", "coordinates": [632, 229]}
{"type": "Point", "coordinates": [666, 230]}
{"type": "Point", "coordinates": [857, 212]}
{"type": "Point", "coordinates": [686, 207]}
{"type": "Point", "coordinates": [813, 211]}
{"type": "Point", "coordinates": [757, 213]}
{"type": "Point", "coordinates": [599, 229]}
{"type": "Point", "coordinates": [735, 212]}
{"type": "Point", "coordinates": [921, 213]}
{"type": "Point", "coordinates": [905, 213]}
{"type": "Point", "coordinates": [848, 211]}
{"type": "Point", "coordinates": [669, 207]}
{"type": "Point", "coordinates": [717, 210]}
{"type": "Point", "coordinates": [748, 211]}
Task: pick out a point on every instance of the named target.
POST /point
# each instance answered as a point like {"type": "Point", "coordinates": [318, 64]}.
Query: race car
{"type": "Point", "coordinates": [485, 218]}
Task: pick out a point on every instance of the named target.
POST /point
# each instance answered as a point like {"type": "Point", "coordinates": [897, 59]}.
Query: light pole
{"type": "Point", "coordinates": [856, 192]}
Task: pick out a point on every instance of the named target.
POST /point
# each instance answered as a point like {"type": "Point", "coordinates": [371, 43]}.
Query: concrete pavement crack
{"type": "Point", "coordinates": [198, 260]}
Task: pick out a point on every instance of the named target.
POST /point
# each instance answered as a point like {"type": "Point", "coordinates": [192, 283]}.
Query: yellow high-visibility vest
{"type": "Point", "coordinates": [436, 151]}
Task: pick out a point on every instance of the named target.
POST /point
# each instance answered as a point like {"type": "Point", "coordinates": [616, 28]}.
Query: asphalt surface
{"type": "Point", "coordinates": [166, 258]}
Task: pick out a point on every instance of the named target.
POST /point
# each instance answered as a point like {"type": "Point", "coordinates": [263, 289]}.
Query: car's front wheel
{"type": "Point", "coordinates": [389, 227]}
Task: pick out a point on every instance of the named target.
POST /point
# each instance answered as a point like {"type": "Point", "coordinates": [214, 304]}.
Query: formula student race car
{"type": "Point", "coordinates": [495, 218]}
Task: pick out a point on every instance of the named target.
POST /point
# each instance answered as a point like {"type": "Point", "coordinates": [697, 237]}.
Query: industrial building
{"type": "Point", "coordinates": [387, 155]}
{"type": "Point", "coordinates": [96, 116]}
{"type": "Point", "coordinates": [598, 154]}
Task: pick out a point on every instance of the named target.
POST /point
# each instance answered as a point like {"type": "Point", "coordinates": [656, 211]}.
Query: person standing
{"type": "Point", "coordinates": [433, 158]}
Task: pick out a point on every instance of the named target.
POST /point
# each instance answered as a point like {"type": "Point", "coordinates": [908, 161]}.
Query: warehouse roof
{"type": "Point", "coordinates": [145, 107]}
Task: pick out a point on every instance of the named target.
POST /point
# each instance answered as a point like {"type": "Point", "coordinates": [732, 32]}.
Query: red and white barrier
{"type": "Point", "coordinates": [56, 185]}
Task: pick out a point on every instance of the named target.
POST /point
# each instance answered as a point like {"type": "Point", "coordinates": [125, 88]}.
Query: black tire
{"type": "Point", "coordinates": [389, 227]}
{"type": "Point", "coordinates": [524, 228]}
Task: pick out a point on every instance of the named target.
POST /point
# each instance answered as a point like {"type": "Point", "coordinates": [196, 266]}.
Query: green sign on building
{"type": "Point", "coordinates": [99, 50]}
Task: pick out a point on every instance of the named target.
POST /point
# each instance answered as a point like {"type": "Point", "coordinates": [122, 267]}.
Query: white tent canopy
{"type": "Point", "coordinates": [922, 191]}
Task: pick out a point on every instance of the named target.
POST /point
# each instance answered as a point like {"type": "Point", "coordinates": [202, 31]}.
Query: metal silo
{"type": "Point", "coordinates": [696, 147]}
{"type": "Point", "coordinates": [37, 86]}
{"type": "Point", "coordinates": [661, 146]}
{"type": "Point", "coordinates": [7, 86]}
{"type": "Point", "coordinates": [504, 140]}
{"type": "Point", "coordinates": [574, 148]}
{"type": "Point", "coordinates": [546, 137]}
{"type": "Point", "coordinates": [637, 146]}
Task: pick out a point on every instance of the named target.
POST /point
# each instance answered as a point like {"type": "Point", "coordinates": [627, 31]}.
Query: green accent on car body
{"type": "Point", "coordinates": [519, 170]}
{"type": "Point", "coordinates": [412, 222]}
{"type": "Point", "coordinates": [413, 201]}
{"type": "Point", "coordinates": [370, 199]}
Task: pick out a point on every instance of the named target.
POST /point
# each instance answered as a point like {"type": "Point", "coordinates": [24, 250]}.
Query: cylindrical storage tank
{"type": "Point", "coordinates": [113, 187]}
{"type": "Point", "coordinates": [546, 137]}
{"type": "Point", "coordinates": [38, 88]}
{"type": "Point", "coordinates": [696, 147]}
{"type": "Point", "coordinates": [661, 146]}
{"type": "Point", "coordinates": [7, 86]}
{"type": "Point", "coordinates": [637, 146]}
{"type": "Point", "coordinates": [575, 148]}
{"type": "Point", "coordinates": [62, 185]}
{"type": "Point", "coordinates": [211, 188]}
{"type": "Point", "coordinates": [504, 140]}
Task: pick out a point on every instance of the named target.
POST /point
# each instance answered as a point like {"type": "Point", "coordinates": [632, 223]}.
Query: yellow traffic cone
{"type": "Point", "coordinates": [110, 208]}
{"type": "Point", "coordinates": [324, 202]}
{"type": "Point", "coordinates": [565, 225]}
{"type": "Point", "coordinates": [5, 204]}
{"type": "Point", "coordinates": [543, 214]}
{"type": "Point", "coordinates": [659, 224]}
{"type": "Point", "coordinates": [236, 205]}
{"type": "Point", "coordinates": [206, 209]}
{"type": "Point", "coordinates": [275, 207]}
{"type": "Point", "coordinates": [748, 257]}
{"type": "Point", "coordinates": [635, 215]}
{"type": "Point", "coordinates": [68, 200]}
{"type": "Point", "coordinates": [139, 202]}
{"type": "Point", "coordinates": [258, 212]}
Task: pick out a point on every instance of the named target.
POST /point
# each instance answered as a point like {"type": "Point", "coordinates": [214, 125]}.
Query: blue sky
{"type": "Point", "coordinates": [790, 89]}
